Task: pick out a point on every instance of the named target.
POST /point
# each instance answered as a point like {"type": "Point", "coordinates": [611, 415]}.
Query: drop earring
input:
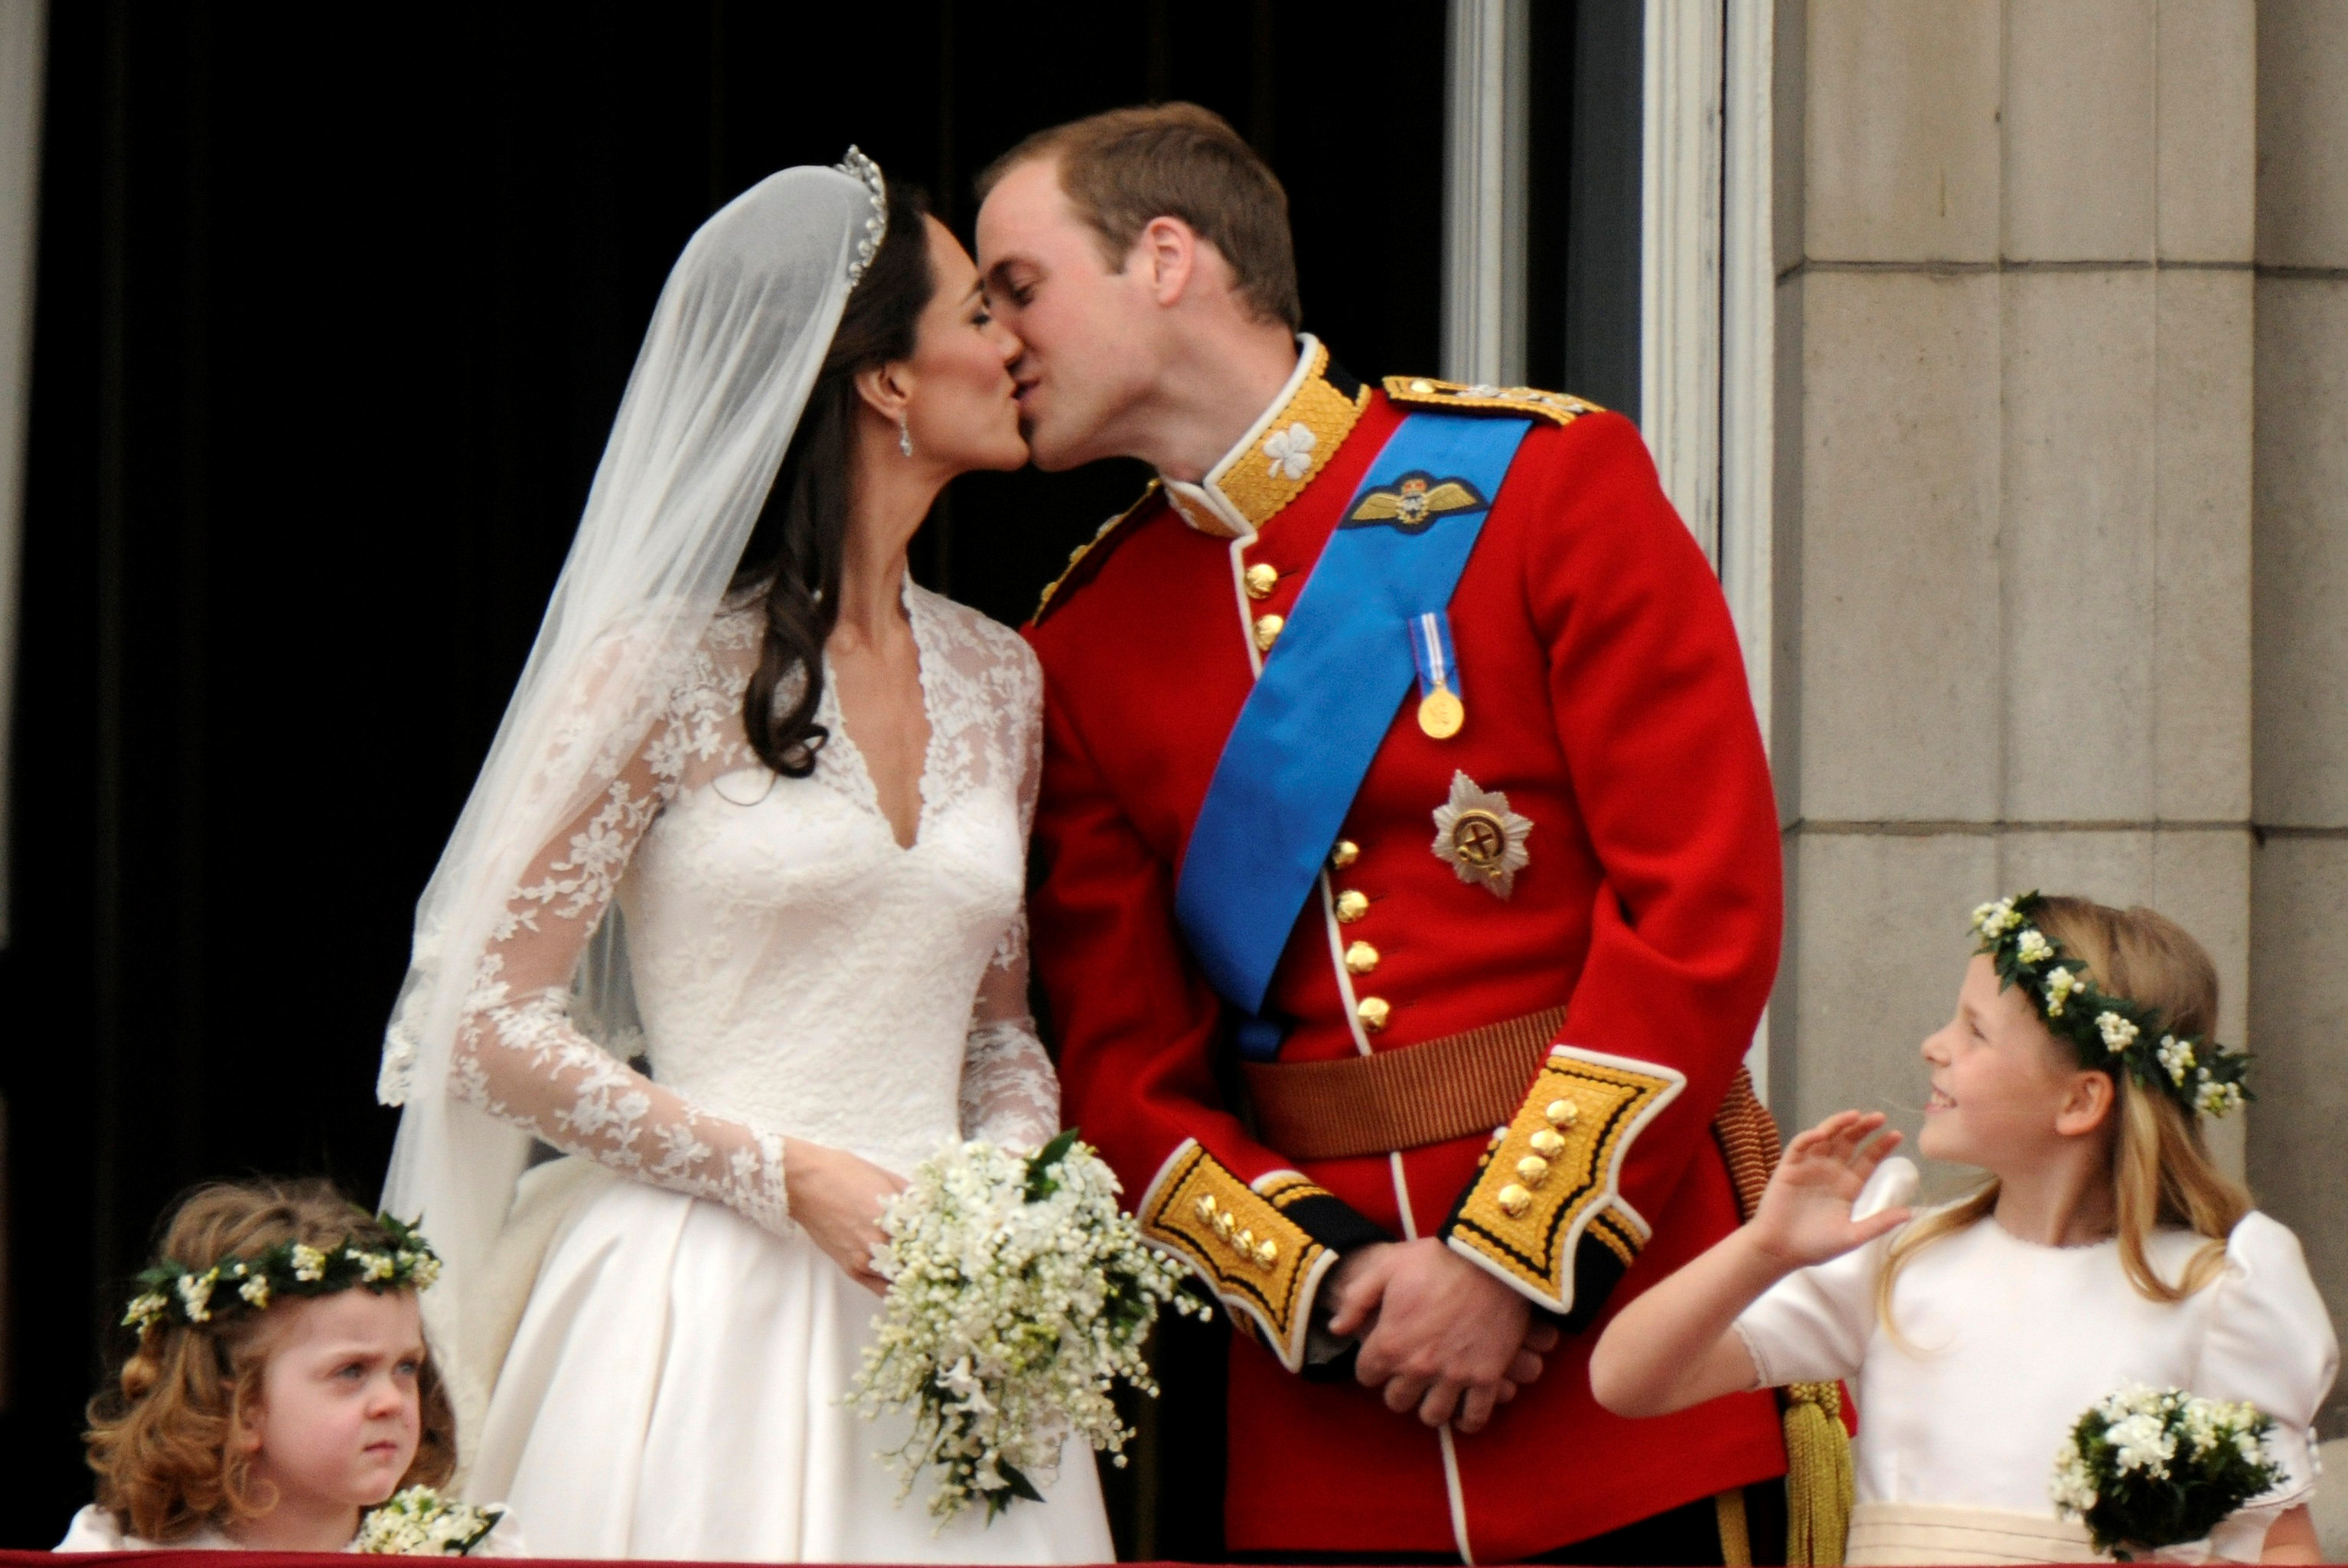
{"type": "Point", "coordinates": [904, 436]}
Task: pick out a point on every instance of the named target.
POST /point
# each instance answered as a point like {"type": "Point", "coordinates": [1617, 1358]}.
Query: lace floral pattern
{"type": "Point", "coordinates": [797, 973]}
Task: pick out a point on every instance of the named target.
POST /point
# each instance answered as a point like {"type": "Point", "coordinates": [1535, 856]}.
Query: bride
{"type": "Point", "coordinates": [755, 818]}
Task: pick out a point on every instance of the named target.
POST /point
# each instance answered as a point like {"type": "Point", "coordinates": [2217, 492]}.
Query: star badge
{"type": "Point", "coordinates": [1480, 838]}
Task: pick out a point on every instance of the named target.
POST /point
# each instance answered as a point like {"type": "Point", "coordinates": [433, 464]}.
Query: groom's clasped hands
{"type": "Point", "coordinates": [1440, 1336]}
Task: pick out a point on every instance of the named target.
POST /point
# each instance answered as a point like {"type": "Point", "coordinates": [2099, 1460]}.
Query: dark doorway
{"type": "Point", "coordinates": [334, 309]}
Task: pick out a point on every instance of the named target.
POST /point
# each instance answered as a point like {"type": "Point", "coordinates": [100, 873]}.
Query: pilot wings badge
{"type": "Point", "coordinates": [1480, 838]}
{"type": "Point", "coordinates": [1414, 500]}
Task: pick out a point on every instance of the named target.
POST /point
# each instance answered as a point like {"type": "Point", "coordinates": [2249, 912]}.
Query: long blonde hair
{"type": "Point", "coordinates": [2161, 1171]}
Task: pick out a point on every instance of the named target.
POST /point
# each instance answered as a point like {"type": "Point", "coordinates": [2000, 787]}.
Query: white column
{"type": "Point", "coordinates": [1679, 327]}
{"type": "Point", "coordinates": [1484, 192]}
{"type": "Point", "coordinates": [22, 31]}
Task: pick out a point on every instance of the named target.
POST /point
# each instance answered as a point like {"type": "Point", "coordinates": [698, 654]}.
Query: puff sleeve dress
{"type": "Point", "coordinates": [2002, 1343]}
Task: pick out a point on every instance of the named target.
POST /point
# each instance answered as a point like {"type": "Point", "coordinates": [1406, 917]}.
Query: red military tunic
{"type": "Point", "coordinates": [1605, 697]}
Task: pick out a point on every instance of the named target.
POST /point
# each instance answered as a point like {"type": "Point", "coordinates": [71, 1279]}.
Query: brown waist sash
{"type": "Point", "coordinates": [1454, 1087]}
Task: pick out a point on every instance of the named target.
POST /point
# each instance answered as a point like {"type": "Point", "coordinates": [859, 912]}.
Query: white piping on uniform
{"type": "Point", "coordinates": [1239, 593]}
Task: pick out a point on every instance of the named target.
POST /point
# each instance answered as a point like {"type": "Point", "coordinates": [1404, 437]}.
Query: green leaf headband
{"type": "Point", "coordinates": [168, 1292]}
{"type": "Point", "coordinates": [2108, 1032]}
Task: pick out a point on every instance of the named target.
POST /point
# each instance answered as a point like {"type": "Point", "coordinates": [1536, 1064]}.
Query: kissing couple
{"type": "Point", "coordinates": [1391, 779]}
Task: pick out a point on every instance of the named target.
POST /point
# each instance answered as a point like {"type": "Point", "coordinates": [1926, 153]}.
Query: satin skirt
{"type": "Point", "coordinates": [674, 1390]}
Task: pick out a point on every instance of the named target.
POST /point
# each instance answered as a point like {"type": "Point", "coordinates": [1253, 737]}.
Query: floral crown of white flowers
{"type": "Point", "coordinates": [2108, 1032]}
{"type": "Point", "coordinates": [171, 1294]}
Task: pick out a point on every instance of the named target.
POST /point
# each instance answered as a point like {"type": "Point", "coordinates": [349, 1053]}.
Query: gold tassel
{"type": "Point", "coordinates": [1819, 1482]}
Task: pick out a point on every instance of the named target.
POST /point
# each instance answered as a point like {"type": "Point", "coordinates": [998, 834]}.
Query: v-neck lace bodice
{"type": "Point", "coordinates": [796, 971]}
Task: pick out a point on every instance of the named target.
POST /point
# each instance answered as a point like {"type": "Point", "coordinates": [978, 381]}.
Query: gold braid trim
{"type": "Point", "coordinates": [1076, 556]}
{"type": "Point", "coordinates": [1264, 1265]}
{"type": "Point", "coordinates": [1555, 1173]}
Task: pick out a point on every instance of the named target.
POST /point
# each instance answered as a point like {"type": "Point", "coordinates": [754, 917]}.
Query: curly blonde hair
{"type": "Point", "coordinates": [2162, 1173]}
{"type": "Point", "coordinates": [161, 1437]}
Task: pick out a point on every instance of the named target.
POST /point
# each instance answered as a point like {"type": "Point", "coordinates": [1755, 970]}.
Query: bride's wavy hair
{"type": "Point", "coordinates": [163, 1439]}
{"type": "Point", "coordinates": [791, 565]}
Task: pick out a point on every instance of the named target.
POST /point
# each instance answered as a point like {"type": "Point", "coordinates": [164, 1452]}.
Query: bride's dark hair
{"type": "Point", "coordinates": [793, 560]}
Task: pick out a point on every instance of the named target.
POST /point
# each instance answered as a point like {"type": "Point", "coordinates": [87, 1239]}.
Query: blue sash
{"type": "Point", "coordinates": [1326, 698]}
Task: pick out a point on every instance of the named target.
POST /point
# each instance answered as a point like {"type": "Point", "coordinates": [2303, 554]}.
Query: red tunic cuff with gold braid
{"type": "Point", "coordinates": [1545, 1212]}
{"type": "Point", "coordinates": [1263, 1248]}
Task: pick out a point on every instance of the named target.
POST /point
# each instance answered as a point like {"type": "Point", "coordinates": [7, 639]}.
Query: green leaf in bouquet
{"type": "Point", "coordinates": [1043, 1170]}
{"type": "Point", "coordinates": [1016, 1485]}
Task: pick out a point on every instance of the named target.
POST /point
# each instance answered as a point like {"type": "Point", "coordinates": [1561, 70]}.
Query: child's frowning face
{"type": "Point", "coordinates": [341, 1414]}
{"type": "Point", "coordinates": [2005, 1091]}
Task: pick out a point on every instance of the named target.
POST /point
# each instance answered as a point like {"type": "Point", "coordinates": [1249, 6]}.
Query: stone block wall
{"type": "Point", "coordinates": [2016, 271]}
{"type": "Point", "coordinates": [2299, 875]}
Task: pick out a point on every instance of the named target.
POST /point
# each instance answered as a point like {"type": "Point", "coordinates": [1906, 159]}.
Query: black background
{"type": "Point", "coordinates": [335, 307]}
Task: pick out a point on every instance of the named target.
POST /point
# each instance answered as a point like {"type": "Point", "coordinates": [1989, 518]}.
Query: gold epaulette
{"type": "Point", "coordinates": [1262, 1263]}
{"type": "Point", "coordinates": [1426, 392]}
{"type": "Point", "coordinates": [1553, 1177]}
{"type": "Point", "coordinates": [1076, 556]}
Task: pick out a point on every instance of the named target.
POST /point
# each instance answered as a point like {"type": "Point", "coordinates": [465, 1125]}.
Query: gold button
{"type": "Point", "coordinates": [1547, 1144]}
{"type": "Point", "coordinates": [1422, 386]}
{"type": "Point", "coordinates": [1267, 1252]}
{"type": "Point", "coordinates": [1374, 1013]}
{"type": "Point", "coordinates": [1533, 1170]}
{"type": "Point", "coordinates": [1514, 1201]}
{"type": "Point", "coordinates": [1267, 631]}
{"type": "Point", "coordinates": [1352, 904]}
{"type": "Point", "coordinates": [1561, 1112]}
{"type": "Point", "coordinates": [1361, 958]}
{"type": "Point", "coordinates": [1344, 855]}
{"type": "Point", "coordinates": [1261, 580]}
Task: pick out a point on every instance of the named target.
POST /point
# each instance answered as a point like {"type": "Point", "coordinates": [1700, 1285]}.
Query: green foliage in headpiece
{"type": "Point", "coordinates": [2109, 1032]}
{"type": "Point", "coordinates": [169, 1293]}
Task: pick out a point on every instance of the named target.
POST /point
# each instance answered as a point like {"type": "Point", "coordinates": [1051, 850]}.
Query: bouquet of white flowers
{"type": "Point", "coordinates": [420, 1523]}
{"type": "Point", "coordinates": [2149, 1467]}
{"type": "Point", "coordinates": [1018, 1293]}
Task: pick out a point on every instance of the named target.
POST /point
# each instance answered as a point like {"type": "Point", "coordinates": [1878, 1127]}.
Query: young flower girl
{"type": "Point", "coordinates": [279, 1390]}
{"type": "Point", "coordinates": [2105, 1249]}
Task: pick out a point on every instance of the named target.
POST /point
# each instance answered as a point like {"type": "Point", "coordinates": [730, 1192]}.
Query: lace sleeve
{"type": "Point", "coordinates": [1010, 1094]}
{"type": "Point", "coordinates": [519, 1055]}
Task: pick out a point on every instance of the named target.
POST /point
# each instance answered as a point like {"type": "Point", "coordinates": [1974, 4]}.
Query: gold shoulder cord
{"type": "Point", "coordinates": [1076, 556]}
{"type": "Point", "coordinates": [1426, 392]}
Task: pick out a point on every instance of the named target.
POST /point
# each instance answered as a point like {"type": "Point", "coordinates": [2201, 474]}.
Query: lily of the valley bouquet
{"type": "Point", "coordinates": [1018, 1293]}
{"type": "Point", "coordinates": [2149, 1467]}
{"type": "Point", "coordinates": [420, 1523]}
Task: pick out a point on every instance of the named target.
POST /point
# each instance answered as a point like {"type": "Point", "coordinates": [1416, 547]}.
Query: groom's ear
{"type": "Point", "coordinates": [1164, 255]}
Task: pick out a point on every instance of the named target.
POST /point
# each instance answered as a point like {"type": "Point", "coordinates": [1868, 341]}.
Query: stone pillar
{"type": "Point", "coordinates": [2014, 636]}
{"type": "Point", "coordinates": [2298, 879]}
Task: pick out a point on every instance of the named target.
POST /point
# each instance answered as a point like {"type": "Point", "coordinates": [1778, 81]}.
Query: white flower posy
{"type": "Point", "coordinates": [420, 1523]}
{"type": "Point", "coordinates": [1019, 1293]}
{"type": "Point", "coordinates": [2144, 1463]}
{"type": "Point", "coordinates": [2118, 1032]}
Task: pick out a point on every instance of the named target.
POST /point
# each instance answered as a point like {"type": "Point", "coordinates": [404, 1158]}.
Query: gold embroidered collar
{"type": "Point", "coordinates": [1280, 454]}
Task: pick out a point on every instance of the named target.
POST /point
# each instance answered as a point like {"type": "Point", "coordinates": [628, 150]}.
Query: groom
{"type": "Point", "coordinates": [1409, 874]}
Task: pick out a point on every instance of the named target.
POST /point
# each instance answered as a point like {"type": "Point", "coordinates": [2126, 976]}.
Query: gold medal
{"type": "Point", "coordinates": [1440, 714]}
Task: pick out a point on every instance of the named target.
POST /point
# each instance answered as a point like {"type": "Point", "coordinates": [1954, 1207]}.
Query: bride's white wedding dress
{"type": "Point", "coordinates": [673, 1390]}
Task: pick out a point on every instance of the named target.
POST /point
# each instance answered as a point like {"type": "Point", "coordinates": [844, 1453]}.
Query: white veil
{"type": "Point", "coordinates": [741, 330]}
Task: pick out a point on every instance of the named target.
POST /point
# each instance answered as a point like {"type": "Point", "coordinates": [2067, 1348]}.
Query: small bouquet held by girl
{"type": "Point", "coordinates": [1018, 1293]}
{"type": "Point", "coordinates": [2146, 1469]}
{"type": "Point", "coordinates": [279, 1396]}
{"type": "Point", "coordinates": [2107, 1265]}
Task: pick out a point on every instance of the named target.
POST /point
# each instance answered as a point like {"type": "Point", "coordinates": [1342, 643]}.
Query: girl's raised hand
{"type": "Point", "coordinates": [1804, 1215]}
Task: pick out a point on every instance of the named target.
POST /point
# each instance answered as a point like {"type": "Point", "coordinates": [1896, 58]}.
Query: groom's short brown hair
{"type": "Point", "coordinates": [1124, 168]}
